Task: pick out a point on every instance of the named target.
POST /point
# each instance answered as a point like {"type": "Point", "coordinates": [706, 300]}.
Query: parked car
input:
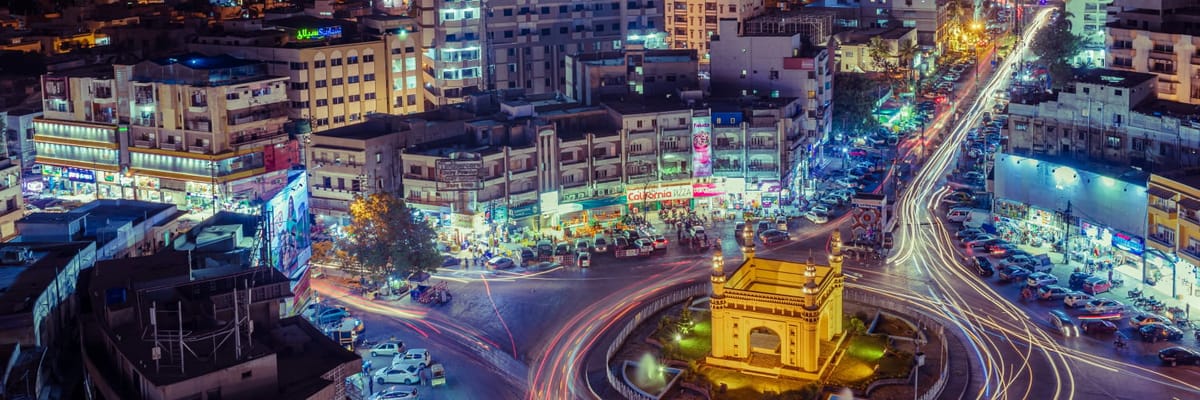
{"type": "Point", "coordinates": [1179, 355]}
{"type": "Point", "coordinates": [1014, 273]}
{"type": "Point", "coordinates": [1094, 326]}
{"type": "Point", "coordinates": [500, 263]}
{"type": "Point", "coordinates": [1076, 299]}
{"type": "Point", "coordinates": [983, 266]}
{"type": "Point", "coordinates": [562, 249]}
{"type": "Point", "coordinates": [1052, 292]}
{"type": "Point", "coordinates": [397, 393]}
{"type": "Point", "coordinates": [1002, 249]}
{"type": "Point", "coordinates": [1103, 306]}
{"type": "Point", "coordinates": [408, 375]}
{"type": "Point", "coordinates": [1076, 280]}
{"type": "Point", "coordinates": [1158, 331]}
{"type": "Point", "coordinates": [418, 357]}
{"type": "Point", "coordinates": [600, 244]}
{"type": "Point", "coordinates": [527, 254]}
{"type": "Point", "coordinates": [583, 245]}
{"type": "Point", "coordinates": [981, 241]}
{"type": "Point", "coordinates": [1062, 323]}
{"type": "Point", "coordinates": [820, 209]}
{"type": "Point", "coordinates": [328, 315]}
{"type": "Point", "coordinates": [773, 236]}
{"type": "Point", "coordinates": [816, 217]}
{"type": "Point", "coordinates": [1147, 319]}
{"type": "Point", "coordinates": [387, 349]}
{"type": "Point", "coordinates": [660, 242]}
{"type": "Point", "coordinates": [583, 259]}
{"type": "Point", "coordinates": [1096, 285]}
{"type": "Point", "coordinates": [1037, 279]}
{"type": "Point", "coordinates": [966, 233]}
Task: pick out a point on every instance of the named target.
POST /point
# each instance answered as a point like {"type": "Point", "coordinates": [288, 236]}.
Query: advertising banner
{"type": "Point", "coordinates": [701, 147]}
{"type": "Point", "coordinates": [288, 230]}
{"type": "Point", "coordinates": [638, 195]}
{"type": "Point", "coordinates": [458, 175]}
{"type": "Point", "coordinates": [706, 190]}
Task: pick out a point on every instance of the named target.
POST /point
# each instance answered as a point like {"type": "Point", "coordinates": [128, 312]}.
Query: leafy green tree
{"type": "Point", "coordinates": [383, 239]}
{"type": "Point", "coordinates": [854, 98]}
{"type": "Point", "coordinates": [1055, 46]}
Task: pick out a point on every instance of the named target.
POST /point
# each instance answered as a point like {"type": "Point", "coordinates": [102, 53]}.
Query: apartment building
{"type": "Point", "coordinates": [337, 76]}
{"type": "Point", "coordinates": [452, 48]}
{"type": "Point", "coordinates": [853, 52]}
{"type": "Point", "coordinates": [133, 346]}
{"type": "Point", "coordinates": [691, 23]}
{"type": "Point", "coordinates": [1109, 116]}
{"type": "Point", "coordinates": [1088, 19]}
{"type": "Point", "coordinates": [203, 133]}
{"type": "Point", "coordinates": [1159, 37]}
{"type": "Point", "coordinates": [18, 124]}
{"type": "Point", "coordinates": [12, 202]}
{"type": "Point", "coordinates": [363, 159]}
{"type": "Point", "coordinates": [633, 71]}
{"type": "Point", "coordinates": [1173, 230]}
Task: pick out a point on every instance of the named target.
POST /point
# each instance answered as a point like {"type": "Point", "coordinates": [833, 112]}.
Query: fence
{"type": "Point", "coordinates": [922, 319]}
{"type": "Point", "coordinates": [679, 295]}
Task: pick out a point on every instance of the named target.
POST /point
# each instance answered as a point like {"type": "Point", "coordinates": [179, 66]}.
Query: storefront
{"type": "Point", "coordinates": [1171, 274]}
{"type": "Point", "coordinates": [589, 217]}
{"type": "Point", "coordinates": [1107, 246]}
{"type": "Point", "coordinates": [69, 181]}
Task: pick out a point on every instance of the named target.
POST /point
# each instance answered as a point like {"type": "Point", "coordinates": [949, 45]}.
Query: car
{"type": "Point", "coordinates": [1002, 249]}
{"type": "Point", "coordinates": [858, 248]}
{"type": "Point", "coordinates": [1019, 260]}
{"type": "Point", "coordinates": [1014, 273]}
{"type": "Point", "coordinates": [773, 236]}
{"type": "Point", "coordinates": [408, 375]}
{"type": "Point", "coordinates": [660, 242]}
{"type": "Point", "coordinates": [819, 209]}
{"type": "Point", "coordinates": [1052, 292]}
{"type": "Point", "coordinates": [857, 153]}
{"type": "Point", "coordinates": [983, 266]}
{"type": "Point", "coordinates": [959, 197]}
{"type": "Point", "coordinates": [387, 349]}
{"type": "Point", "coordinates": [1076, 299]}
{"type": "Point", "coordinates": [527, 254]}
{"type": "Point", "coordinates": [1076, 280]}
{"type": "Point", "coordinates": [1094, 326]}
{"type": "Point", "coordinates": [545, 248]}
{"type": "Point", "coordinates": [1096, 285]}
{"type": "Point", "coordinates": [966, 233]}
{"type": "Point", "coordinates": [600, 244]}
{"type": "Point", "coordinates": [981, 241]}
{"type": "Point", "coordinates": [1103, 306]}
{"type": "Point", "coordinates": [1178, 355]}
{"type": "Point", "coordinates": [1063, 324]}
{"type": "Point", "coordinates": [697, 231]}
{"type": "Point", "coordinates": [973, 176]}
{"type": "Point", "coordinates": [846, 181]}
{"type": "Point", "coordinates": [1037, 279]}
{"type": "Point", "coordinates": [781, 223]}
{"type": "Point", "coordinates": [981, 245]}
{"type": "Point", "coordinates": [844, 194]}
{"type": "Point", "coordinates": [816, 217]}
{"type": "Point", "coordinates": [1158, 331]}
{"type": "Point", "coordinates": [582, 245]}
{"type": "Point", "coordinates": [644, 246]}
{"type": "Point", "coordinates": [562, 249]}
{"type": "Point", "coordinates": [1147, 319]}
{"type": "Point", "coordinates": [418, 357]}
{"type": "Point", "coordinates": [500, 263]}
{"type": "Point", "coordinates": [583, 259]}
{"type": "Point", "coordinates": [830, 200]}
{"type": "Point", "coordinates": [329, 315]}
{"type": "Point", "coordinates": [397, 393]}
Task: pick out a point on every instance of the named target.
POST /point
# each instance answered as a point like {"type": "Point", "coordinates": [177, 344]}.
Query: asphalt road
{"type": "Point", "coordinates": [523, 333]}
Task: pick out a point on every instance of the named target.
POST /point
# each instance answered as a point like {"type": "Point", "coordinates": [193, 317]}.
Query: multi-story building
{"type": "Point", "coordinates": [853, 52]}
{"type": "Point", "coordinates": [120, 228]}
{"type": "Point", "coordinates": [19, 134]}
{"type": "Point", "coordinates": [151, 357]}
{"type": "Point", "coordinates": [691, 23]}
{"type": "Point", "coordinates": [203, 133]}
{"type": "Point", "coordinates": [634, 71]}
{"type": "Point", "coordinates": [1109, 116]}
{"type": "Point", "coordinates": [39, 296]}
{"type": "Point", "coordinates": [337, 75]}
{"type": "Point", "coordinates": [364, 159]}
{"type": "Point", "coordinates": [1173, 230]}
{"type": "Point", "coordinates": [453, 48]}
{"type": "Point", "coordinates": [1158, 37]}
{"type": "Point", "coordinates": [1088, 19]}
{"type": "Point", "coordinates": [929, 17]}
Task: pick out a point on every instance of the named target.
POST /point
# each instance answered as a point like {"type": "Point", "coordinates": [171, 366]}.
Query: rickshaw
{"type": "Point", "coordinates": [437, 375]}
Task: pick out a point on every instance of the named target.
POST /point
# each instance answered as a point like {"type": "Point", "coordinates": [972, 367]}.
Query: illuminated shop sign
{"type": "Point", "coordinates": [324, 32]}
{"type": "Point", "coordinates": [637, 195]}
{"type": "Point", "coordinates": [81, 175]}
{"type": "Point", "coordinates": [701, 149]}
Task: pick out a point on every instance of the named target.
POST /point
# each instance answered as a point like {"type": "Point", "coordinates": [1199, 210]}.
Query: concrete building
{"type": "Point", "coordinates": [19, 135]}
{"type": "Point", "coordinates": [1173, 230]}
{"type": "Point", "coordinates": [159, 329]}
{"type": "Point", "coordinates": [1158, 37]}
{"type": "Point", "coordinates": [853, 52]}
{"type": "Point", "coordinates": [203, 133]}
{"type": "Point", "coordinates": [38, 293]}
{"type": "Point", "coordinates": [1109, 116]}
{"type": "Point", "coordinates": [120, 228]}
{"type": "Point", "coordinates": [12, 203]}
{"type": "Point", "coordinates": [634, 71]}
{"type": "Point", "coordinates": [452, 47]}
{"type": "Point", "coordinates": [773, 317]}
{"type": "Point", "coordinates": [1088, 19]}
{"type": "Point", "coordinates": [691, 23]}
{"type": "Point", "coordinates": [337, 76]}
{"type": "Point", "coordinates": [364, 159]}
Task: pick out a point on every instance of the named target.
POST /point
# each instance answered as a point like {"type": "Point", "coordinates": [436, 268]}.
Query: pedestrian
{"type": "Point", "coordinates": [1110, 275]}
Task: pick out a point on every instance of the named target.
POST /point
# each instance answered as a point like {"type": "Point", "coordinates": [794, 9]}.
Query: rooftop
{"type": "Point", "coordinates": [1128, 175]}
{"type": "Point", "coordinates": [764, 275]}
{"type": "Point", "coordinates": [1189, 176]}
{"type": "Point", "coordinates": [202, 62]}
{"type": "Point", "coordinates": [1158, 107]}
{"type": "Point", "coordinates": [634, 105]}
{"type": "Point", "coordinates": [22, 281]}
{"type": "Point", "coordinates": [1112, 77]}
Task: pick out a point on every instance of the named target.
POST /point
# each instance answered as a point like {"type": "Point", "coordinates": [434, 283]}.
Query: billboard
{"type": "Point", "coordinates": [288, 243]}
{"type": "Point", "coordinates": [638, 195]}
{"type": "Point", "coordinates": [701, 147]}
{"type": "Point", "coordinates": [459, 175]}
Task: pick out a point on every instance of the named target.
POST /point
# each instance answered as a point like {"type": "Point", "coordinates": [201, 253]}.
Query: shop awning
{"type": "Point", "coordinates": [1190, 203]}
{"type": "Point", "coordinates": [1161, 193]}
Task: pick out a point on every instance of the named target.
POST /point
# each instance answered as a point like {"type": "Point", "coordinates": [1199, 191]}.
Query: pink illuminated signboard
{"type": "Point", "coordinates": [701, 147]}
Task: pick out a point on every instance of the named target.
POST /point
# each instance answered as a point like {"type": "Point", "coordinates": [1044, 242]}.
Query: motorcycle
{"type": "Point", "coordinates": [1117, 282]}
{"type": "Point", "coordinates": [1133, 294]}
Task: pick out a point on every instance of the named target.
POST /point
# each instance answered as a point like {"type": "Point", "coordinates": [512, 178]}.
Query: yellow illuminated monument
{"type": "Point", "coordinates": [777, 317]}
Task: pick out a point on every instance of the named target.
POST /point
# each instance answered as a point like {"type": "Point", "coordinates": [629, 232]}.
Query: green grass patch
{"type": "Point", "coordinates": [698, 343]}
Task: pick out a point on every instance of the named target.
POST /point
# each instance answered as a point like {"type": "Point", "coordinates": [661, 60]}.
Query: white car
{"type": "Point", "coordinates": [816, 218]}
{"type": "Point", "coordinates": [387, 349]}
{"type": "Point", "coordinates": [408, 375]}
{"type": "Point", "coordinates": [1103, 306]}
{"type": "Point", "coordinates": [820, 209]}
{"type": "Point", "coordinates": [418, 357]}
{"type": "Point", "coordinates": [397, 393]}
{"type": "Point", "coordinates": [1077, 299]}
{"type": "Point", "coordinates": [1038, 279]}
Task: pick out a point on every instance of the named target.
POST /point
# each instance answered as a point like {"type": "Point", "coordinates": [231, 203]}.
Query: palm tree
{"type": "Point", "coordinates": [879, 51]}
{"type": "Point", "coordinates": [906, 53]}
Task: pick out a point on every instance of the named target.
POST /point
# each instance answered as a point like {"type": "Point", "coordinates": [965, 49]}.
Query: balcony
{"type": "Point", "coordinates": [171, 146]}
{"type": "Point", "coordinates": [676, 148]}
{"type": "Point", "coordinates": [636, 155]}
{"type": "Point", "coordinates": [727, 166]}
{"type": "Point", "coordinates": [255, 114]}
{"type": "Point", "coordinates": [763, 145]}
{"type": "Point", "coordinates": [518, 192]}
{"type": "Point", "coordinates": [1191, 251]}
{"type": "Point", "coordinates": [728, 146]}
{"type": "Point", "coordinates": [145, 143]}
{"type": "Point", "coordinates": [763, 168]}
{"type": "Point", "coordinates": [1170, 211]}
{"type": "Point", "coordinates": [418, 177]}
{"type": "Point", "coordinates": [428, 201]}
{"type": "Point", "coordinates": [198, 149]}
{"type": "Point", "coordinates": [607, 178]}
{"type": "Point", "coordinates": [574, 183]}
{"type": "Point", "coordinates": [573, 159]}
{"type": "Point", "coordinates": [518, 175]}
{"type": "Point", "coordinates": [676, 176]}
{"type": "Point", "coordinates": [1162, 239]}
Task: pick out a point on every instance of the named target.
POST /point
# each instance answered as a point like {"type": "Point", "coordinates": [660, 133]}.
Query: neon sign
{"type": "Point", "coordinates": [324, 32]}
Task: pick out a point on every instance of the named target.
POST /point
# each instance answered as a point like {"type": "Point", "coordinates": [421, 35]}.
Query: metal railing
{"type": "Point", "coordinates": [681, 294]}
{"type": "Point", "coordinates": [935, 391]}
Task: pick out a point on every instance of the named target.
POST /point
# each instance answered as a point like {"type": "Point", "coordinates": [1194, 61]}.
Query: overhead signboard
{"type": "Point", "coordinates": [459, 175]}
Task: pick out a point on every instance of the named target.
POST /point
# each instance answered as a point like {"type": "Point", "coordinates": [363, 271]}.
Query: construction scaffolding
{"type": "Point", "coordinates": [816, 25]}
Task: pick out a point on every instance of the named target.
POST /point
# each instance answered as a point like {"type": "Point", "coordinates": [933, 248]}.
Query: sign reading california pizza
{"type": "Point", "coordinates": [677, 192]}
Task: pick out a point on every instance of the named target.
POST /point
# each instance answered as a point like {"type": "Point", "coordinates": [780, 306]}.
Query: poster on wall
{"type": "Point", "coordinates": [701, 147]}
{"type": "Point", "coordinates": [288, 228]}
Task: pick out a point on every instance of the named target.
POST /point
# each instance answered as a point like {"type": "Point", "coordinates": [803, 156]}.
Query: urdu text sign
{"type": "Point", "coordinates": [454, 175]}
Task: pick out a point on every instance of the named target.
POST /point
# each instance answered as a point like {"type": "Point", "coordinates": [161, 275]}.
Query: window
{"type": "Point", "coordinates": [508, 34]}
{"type": "Point", "coordinates": [339, 119]}
{"type": "Point", "coordinates": [339, 100]}
{"type": "Point", "coordinates": [337, 81]}
{"type": "Point", "coordinates": [299, 85]}
{"type": "Point", "coordinates": [368, 77]}
{"type": "Point", "coordinates": [319, 64]}
{"type": "Point", "coordinates": [352, 60]}
{"type": "Point", "coordinates": [321, 83]}
{"type": "Point", "coordinates": [1113, 142]}
{"type": "Point", "coordinates": [322, 102]}
{"type": "Point", "coordinates": [412, 99]}
{"type": "Point", "coordinates": [369, 96]}
{"type": "Point", "coordinates": [1139, 144]}
{"type": "Point", "coordinates": [378, 157]}
{"type": "Point", "coordinates": [507, 12]}
{"type": "Point", "coordinates": [355, 98]}
{"type": "Point", "coordinates": [368, 58]}
{"type": "Point", "coordinates": [352, 79]}
{"type": "Point", "coordinates": [295, 66]}
{"type": "Point", "coordinates": [335, 62]}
